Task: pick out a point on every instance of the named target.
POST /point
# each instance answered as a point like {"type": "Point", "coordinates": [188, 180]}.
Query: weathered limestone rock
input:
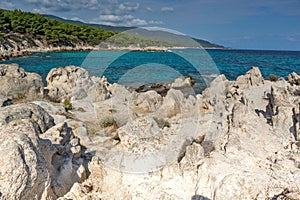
{"type": "Point", "coordinates": [74, 83]}
{"type": "Point", "coordinates": [236, 153]}
{"type": "Point", "coordinates": [39, 161]}
{"type": "Point", "coordinates": [57, 111]}
{"type": "Point", "coordinates": [147, 102]}
{"type": "Point", "coordinates": [17, 83]}
{"type": "Point", "coordinates": [251, 79]}
{"type": "Point", "coordinates": [142, 134]}
{"type": "Point", "coordinates": [293, 79]}
{"type": "Point", "coordinates": [23, 173]}
{"type": "Point", "coordinates": [67, 162]}
{"type": "Point", "coordinates": [236, 140]}
{"type": "Point", "coordinates": [182, 83]}
{"type": "Point", "coordinates": [26, 111]}
{"type": "Point", "coordinates": [172, 103]}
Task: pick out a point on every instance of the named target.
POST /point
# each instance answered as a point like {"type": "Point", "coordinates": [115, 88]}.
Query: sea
{"type": "Point", "coordinates": [136, 68]}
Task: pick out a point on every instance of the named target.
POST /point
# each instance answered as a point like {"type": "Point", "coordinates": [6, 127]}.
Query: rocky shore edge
{"type": "Point", "coordinates": [12, 49]}
{"type": "Point", "coordinates": [237, 139]}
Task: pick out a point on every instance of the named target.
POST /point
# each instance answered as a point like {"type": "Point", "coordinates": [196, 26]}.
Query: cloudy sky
{"type": "Point", "coordinates": [256, 24]}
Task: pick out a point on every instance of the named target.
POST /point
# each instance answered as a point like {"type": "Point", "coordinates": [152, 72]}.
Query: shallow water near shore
{"type": "Point", "coordinates": [142, 68]}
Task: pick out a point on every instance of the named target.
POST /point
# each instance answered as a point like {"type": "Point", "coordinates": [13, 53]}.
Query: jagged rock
{"type": "Point", "coordinates": [293, 79]}
{"type": "Point", "coordinates": [67, 162]}
{"type": "Point", "coordinates": [147, 102]}
{"type": "Point", "coordinates": [75, 83]}
{"type": "Point", "coordinates": [23, 173]}
{"type": "Point", "coordinates": [63, 81]}
{"type": "Point", "coordinates": [44, 161]}
{"type": "Point", "coordinates": [182, 83]}
{"type": "Point", "coordinates": [217, 145]}
{"type": "Point", "coordinates": [252, 78]}
{"type": "Point", "coordinates": [26, 111]}
{"type": "Point", "coordinates": [172, 103]}
{"type": "Point", "coordinates": [142, 134]}
{"type": "Point", "coordinates": [56, 110]}
{"type": "Point", "coordinates": [18, 83]}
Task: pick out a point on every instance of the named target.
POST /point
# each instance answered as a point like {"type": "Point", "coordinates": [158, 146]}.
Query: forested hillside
{"type": "Point", "coordinates": [52, 31]}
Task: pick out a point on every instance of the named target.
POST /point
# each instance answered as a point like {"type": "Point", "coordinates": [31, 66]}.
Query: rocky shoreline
{"type": "Point", "coordinates": [82, 137]}
{"type": "Point", "coordinates": [12, 49]}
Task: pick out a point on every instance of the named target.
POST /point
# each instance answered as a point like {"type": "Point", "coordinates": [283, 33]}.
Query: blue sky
{"type": "Point", "coordinates": [256, 24]}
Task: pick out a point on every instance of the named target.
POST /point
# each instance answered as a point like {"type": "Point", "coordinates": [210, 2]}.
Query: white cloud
{"type": "Point", "coordinates": [129, 6]}
{"type": "Point", "coordinates": [77, 19]}
{"type": "Point", "coordinates": [154, 22]}
{"type": "Point", "coordinates": [149, 9]}
{"type": "Point", "coordinates": [167, 9]}
{"type": "Point", "coordinates": [6, 5]}
{"type": "Point", "coordinates": [137, 22]}
{"type": "Point", "coordinates": [121, 20]}
{"type": "Point", "coordinates": [110, 18]}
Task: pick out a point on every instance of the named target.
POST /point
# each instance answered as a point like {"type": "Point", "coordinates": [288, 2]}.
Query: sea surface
{"type": "Point", "coordinates": [135, 68]}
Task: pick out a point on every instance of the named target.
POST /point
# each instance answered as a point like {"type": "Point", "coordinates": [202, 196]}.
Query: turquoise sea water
{"type": "Point", "coordinates": [138, 68]}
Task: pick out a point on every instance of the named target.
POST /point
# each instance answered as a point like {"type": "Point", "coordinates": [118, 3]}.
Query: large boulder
{"type": "Point", "coordinates": [26, 111]}
{"type": "Point", "coordinates": [40, 160]}
{"type": "Point", "coordinates": [142, 134]}
{"type": "Point", "coordinates": [172, 103]}
{"type": "Point", "coordinates": [252, 78]}
{"type": "Point", "coordinates": [74, 83]}
{"type": "Point", "coordinates": [24, 173]}
{"type": "Point", "coordinates": [18, 83]}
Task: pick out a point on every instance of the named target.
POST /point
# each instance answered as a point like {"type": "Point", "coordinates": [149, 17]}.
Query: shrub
{"type": "Point", "coordinates": [298, 81]}
{"type": "Point", "coordinates": [273, 77]}
{"type": "Point", "coordinates": [68, 105]}
{"type": "Point", "coordinates": [107, 122]}
{"type": "Point", "coordinates": [92, 131]}
{"type": "Point", "coordinates": [20, 96]}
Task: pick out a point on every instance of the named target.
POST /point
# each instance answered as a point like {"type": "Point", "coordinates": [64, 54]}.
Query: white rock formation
{"type": "Point", "coordinates": [241, 144]}
{"type": "Point", "coordinates": [38, 160]}
{"type": "Point", "coordinates": [15, 82]}
{"type": "Point", "coordinates": [237, 140]}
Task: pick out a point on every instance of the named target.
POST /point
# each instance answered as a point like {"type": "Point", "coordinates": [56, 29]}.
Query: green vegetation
{"type": "Point", "coordinates": [68, 105]}
{"type": "Point", "coordinates": [107, 122]}
{"type": "Point", "coordinates": [20, 96]}
{"type": "Point", "coordinates": [92, 131]}
{"type": "Point", "coordinates": [52, 31]}
{"type": "Point", "coordinates": [127, 40]}
{"type": "Point", "coordinates": [298, 81]}
{"type": "Point", "coordinates": [273, 77]}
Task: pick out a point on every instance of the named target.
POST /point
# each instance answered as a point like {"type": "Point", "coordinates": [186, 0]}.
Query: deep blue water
{"type": "Point", "coordinates": [137, 68]}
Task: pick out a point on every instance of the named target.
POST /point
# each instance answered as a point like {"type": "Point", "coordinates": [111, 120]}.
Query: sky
{"type": "Point", "coordinates": [240, 24]}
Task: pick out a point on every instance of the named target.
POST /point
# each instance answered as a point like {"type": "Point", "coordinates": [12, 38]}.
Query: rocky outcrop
{"type": "Point", "coordinates": [18, 45]}
{"type": "Point", "coordinates": [293, 79]}
{"type": "Point", "coordinates": [237, 140]}
{"type": "Point", "coordinates": [18, 83]}
{"type": "Point", "coordinates": [224, 146]}
{"type": "Point", "coordinates": [252, 78]}
{"type": "Point", "coordinates": [39, 160]}
{"type": "Point", "coordinates": [74, 83]}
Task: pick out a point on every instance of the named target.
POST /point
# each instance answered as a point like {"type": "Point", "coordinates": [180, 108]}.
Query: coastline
{"type": "Point", "coordinates": [18, 51]}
